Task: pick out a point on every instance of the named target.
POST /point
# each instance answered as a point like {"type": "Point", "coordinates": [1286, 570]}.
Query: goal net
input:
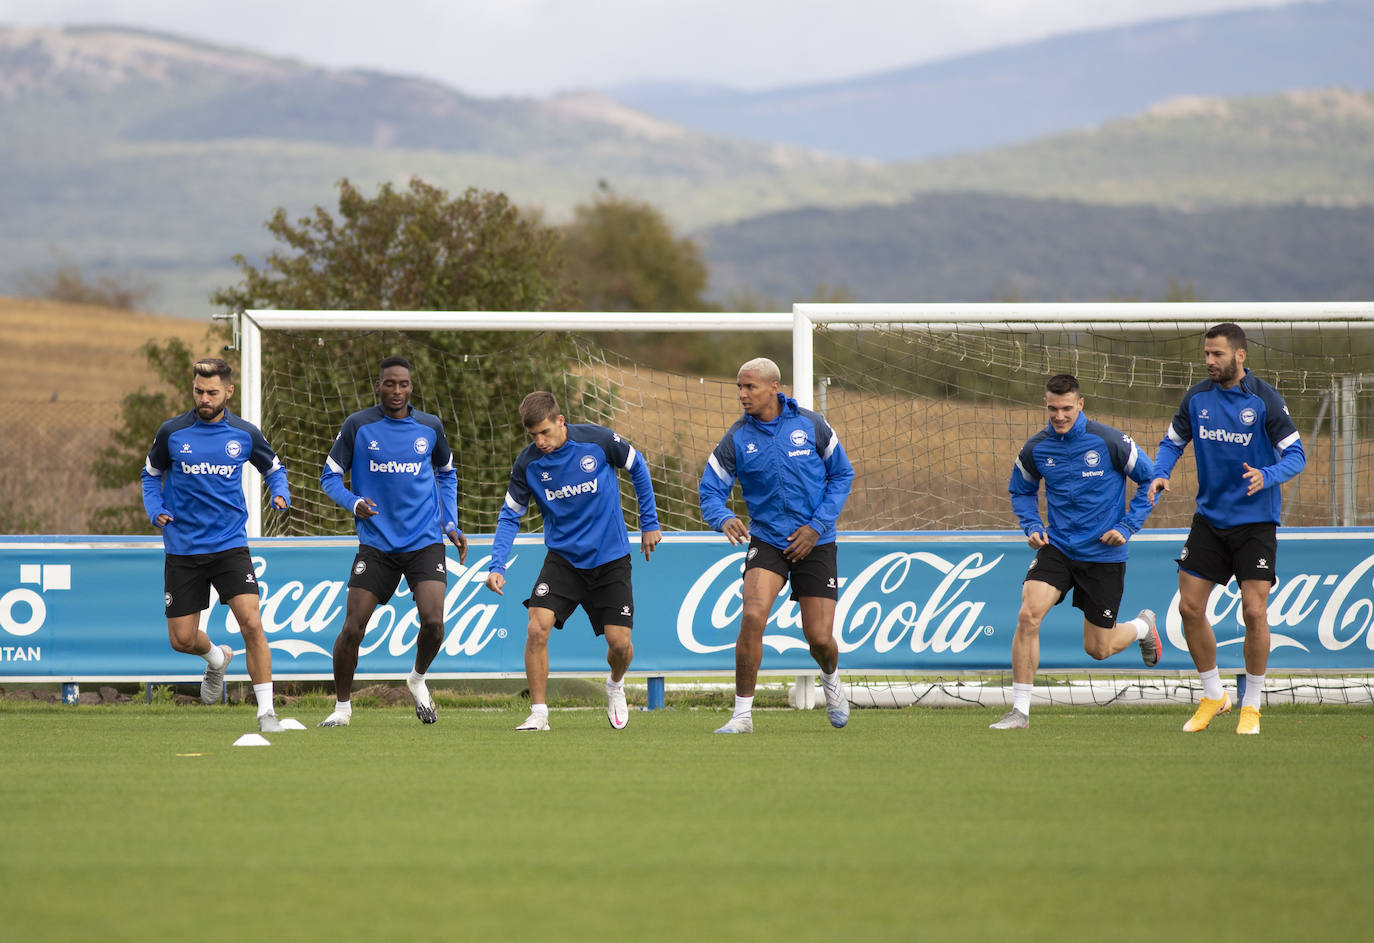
{"type": "Point", "coordinates": [932, 404]}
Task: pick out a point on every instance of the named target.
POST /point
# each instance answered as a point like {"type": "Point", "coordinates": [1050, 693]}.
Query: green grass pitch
{"type": "Point", "coordinates": [143, 821]}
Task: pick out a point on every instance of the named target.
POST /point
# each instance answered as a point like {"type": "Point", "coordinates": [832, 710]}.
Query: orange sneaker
{"type": "Point", "coordinates": [1249, 720]}
{"type": "Point", "coordinates": [1208, 708]}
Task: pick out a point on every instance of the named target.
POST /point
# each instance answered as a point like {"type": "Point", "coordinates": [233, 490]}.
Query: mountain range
{"type": "Point", "coordinates": [131, 152]}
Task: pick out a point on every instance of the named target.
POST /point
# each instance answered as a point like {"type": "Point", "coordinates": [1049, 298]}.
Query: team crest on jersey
{"type": "Point", "coordinates": [233, 448]}
{"type": "Point", "coordinates": [798, 437]}
{"type": "Point", "coordinates": [542, 589]}
{"type": "Point", "coordinates": [588, 463]}
{"type": "Point", "coordinates": [359, 567]}
{"type": "Point", "coordinates": [1248, 416]}
{"type": "Point", "coordinates": [1091, 458]}
{"type": "Point", "coordinates": [421, 446]}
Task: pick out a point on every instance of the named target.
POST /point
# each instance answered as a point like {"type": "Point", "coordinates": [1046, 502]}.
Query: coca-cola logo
{"type": "Point", "coordinates": [914, 599]}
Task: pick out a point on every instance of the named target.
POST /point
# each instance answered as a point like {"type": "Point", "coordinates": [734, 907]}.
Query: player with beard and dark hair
{"type": "Point", "coordinates": [1245, 446]}
{"type": "Point", "coordinates": [193, 491]}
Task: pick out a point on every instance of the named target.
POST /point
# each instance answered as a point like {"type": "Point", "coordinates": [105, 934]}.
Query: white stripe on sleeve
{"type": "Point", "coordinates": [714, 464]}
{"type": "Point", "coordinates": [517, 508]}
{"type": "Point", "coordinates": [1289, 440]}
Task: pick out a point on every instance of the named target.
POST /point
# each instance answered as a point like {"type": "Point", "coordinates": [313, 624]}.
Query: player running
{"type": "Point", "coordinates": [570, 473]}
{"type": "Point", "coordinates": [1246, 445]}
{"type": "Point", "coordinates": [193, 491]}
{"type": "Point", "coordinates": [795, 477]}
{"type": "Point", "coordinates": [1084, 465]}
{"type": "Point", "coordinates": [398, 462]}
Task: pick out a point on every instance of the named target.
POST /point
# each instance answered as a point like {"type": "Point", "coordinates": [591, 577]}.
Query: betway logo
{"type": "Point", "coordinates": [568, 491]}
{"type": "Point", "coordinates": [1225, 435]}
{"type": "Point", "coordinates": [205, 468]}
{"type": "Point", "coordinates": [396, 468]}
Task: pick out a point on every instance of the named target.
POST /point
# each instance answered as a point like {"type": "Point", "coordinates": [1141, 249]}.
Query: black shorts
{"type": "Point", "coordinates": [1247, 552]}
{"type": "Point", "coordinates": [380, 572]}
{"type": "Point", "coordinates": [1097, 585]}
{"type": "Point", "coordinates": [815, 576]}
{"type": "Point", "coordinates": [186, 579]}
{"type": "Point", "coordinates": [603, 592]}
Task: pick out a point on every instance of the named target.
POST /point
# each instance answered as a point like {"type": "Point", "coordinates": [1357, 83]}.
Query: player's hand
{"type": "Point", "coordinates": [364, 509]}
{"type": "Point", "coordinates": [734, 529]}
{"type": "Point", "coordinates": [800, 543]}
{"type": "Point", "coordinates": [1112, 538]}
{"type": "Point", "coordinates": [164, 519]}
{"type": "Point", "coordinates": [1037, 539]}
{"type": "Point", "coordinates": [1157, 487]}
{"type": "Point", "coordinates": [496, 583]}
{"type": "Point", "coordinates": [1254, 478]}
{"type": "Point", "coordinates": [648, 540]}
{"type": "Point", "coordinates": [459, 540]}
{"type": "Point", "coordinates": [279, 503]}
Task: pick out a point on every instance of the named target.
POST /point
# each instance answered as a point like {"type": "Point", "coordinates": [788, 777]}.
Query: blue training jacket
{"type": "Point", "coordinates": [405, 467]}
{"type": "Point", "coordinates": [792, 471]}
{"type": "Point", "coordinates": [194, 472]}
{"type": "Point", "coordinates": [1247, 424]}
{"type": "Point", "coordinates": [1085, 472]}
{"type": "Point", "coordinates": [578, 492]}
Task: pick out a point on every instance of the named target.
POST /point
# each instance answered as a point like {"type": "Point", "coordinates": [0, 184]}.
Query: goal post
{"type": "Point", "coordinates": [931, 400]}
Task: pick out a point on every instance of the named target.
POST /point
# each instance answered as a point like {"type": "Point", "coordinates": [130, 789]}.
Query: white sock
{"type": "Point", "coordinates": [1020, 697]}
{"type": "Point", "coordinates": [1211, 683]}
{"type": "Point", "coordinates": [214, 657]}
{"type": "Point", "coordinates": [539, 709]}
{"type": "Point", "coordinates": [614, 685]}
{"type": "Point", "coordinates": [1254, 687]}
{"type": "Point", "coordinates": [831, 680]}
{"type": "Point", "coordinates": [262, 693]}
{"type": "Point", "coordinates": [1142, 628]}
{"type": "Point", "coordinates": [744, 706]}
{"type": "Point", "coordinates": [344, 707]}
{"type": "Point", "coordinates": [415, 678]}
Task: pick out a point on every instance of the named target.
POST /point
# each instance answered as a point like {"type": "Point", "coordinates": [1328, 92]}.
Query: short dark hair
{"type": "Point", "coordinates": [212, 367]}
{"type": "Point", "coordinates": [537, 407]}
{"type": "Point", "coordinates": [1062, 383]}
{"type": "Point", "coordinates": [394, 361]}
{"type": "Point", "coordinates": [1234, 334]}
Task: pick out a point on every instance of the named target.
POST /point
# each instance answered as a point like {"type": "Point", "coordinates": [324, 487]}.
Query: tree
{"type": "Point", "coordinates": [67, 283]}
{"type": "Point", "coordinates": [411, 249]}
{"type": "Point", "coordinates": [623, 256]}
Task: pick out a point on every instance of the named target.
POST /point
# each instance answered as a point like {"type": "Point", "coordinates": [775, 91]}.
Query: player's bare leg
{"type": "Point", "coordinates": [761, 588]}
{"type": "Point", "coordinates": [537, 667]}
{"type": "Point", "coordinates": [1037, 599]}
{"type": "Point", "coordinates": [620, 651]}
{"type": "Point", "coordinates": [245, 609]}
{"type": "Point", "coordinates": [818, 625]}
{"type": "Point", "coordinates": [184, 634]}
{"type": "Point", "coordinates": [1254, 604]}
{"type": "Point", "coordinates": [1193, 592]}
{"type": "Point", "coordinates": [429, 607]}
{"type": "Point", "coordinates": [358, 609]}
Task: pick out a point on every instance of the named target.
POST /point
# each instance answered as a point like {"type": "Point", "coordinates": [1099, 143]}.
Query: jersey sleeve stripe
{"type": "Point", "coordinates": [714, 464]}
{"type": "Point", "coordinates": [151, 468]}
{"type": "Point", "coordinates": [1131, 459]}
{"type": "Point", "coordinates": [514, 505]}
{"type": "Point", "coordinates": [630, 456]}
{"type": "Point", "coordinates": [1289, 440]}
{"type": "Point", "coordinates": [334, 466]}
{"type": "Point", "coordinates": [1174, 437]}
{"type": "Point", "coordinates": [1024, 472]}
{"type": "Point", "coordinates": [834, 444]}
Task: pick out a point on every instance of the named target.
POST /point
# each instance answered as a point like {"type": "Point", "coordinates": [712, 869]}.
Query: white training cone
{"type": "Point", "coordinates": [291, 723]}
{"type": "Point", "coordinates": [252, 740]}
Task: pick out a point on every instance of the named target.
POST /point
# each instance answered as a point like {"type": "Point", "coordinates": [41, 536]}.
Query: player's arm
{"type": "Point", "coordinates": [650, 531]}
{"type": "Point", "coordinates": [336, 463]}
{"type": "Point", "coordinates": [713, 492]}
{"type": "Point", "coordinates": [1138, 467]}
{"type": "Point", "coordinates": [839, 479]}
{"type": "Point", "coordinates": [517, 500]}
{"type": "Point", "coordinates": [273, 472]}
{"type": "Point", "coordinates": [446, 488]}
{"type": "Point", "coordinates": [1279, 426]}
{"type": "Point", "coordinates": [1176, 439]}
{"type": "Point", "coordinates": [1024, 488]}
{"type": "Point", "coordinates": [155, 467]}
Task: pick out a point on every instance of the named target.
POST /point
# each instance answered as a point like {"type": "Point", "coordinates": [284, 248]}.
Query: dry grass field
{"type": "Point", "coordinates": [64, 370]}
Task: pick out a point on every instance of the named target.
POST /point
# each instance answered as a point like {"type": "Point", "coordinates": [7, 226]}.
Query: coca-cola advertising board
{"type": "Point", "coordinates": [87, 609]}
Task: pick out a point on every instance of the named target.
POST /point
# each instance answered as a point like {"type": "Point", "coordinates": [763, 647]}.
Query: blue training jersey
{"type": "Point", "coordinates": [792, 471]}
{"type": "Point", "coordinates": [405, 467]}
{"type": "Point", "coordinates": [578, 492]}
{"type": "Point", "coordinates": [1247, 424]}
{"type": "Point", "coordinates": [194, 472]}
{"type": "Point", "coordinates": [1085, 472]}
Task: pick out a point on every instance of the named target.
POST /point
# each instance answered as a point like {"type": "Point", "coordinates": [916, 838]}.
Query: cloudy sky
{"type": "Point", "coordinates": [538, 47]}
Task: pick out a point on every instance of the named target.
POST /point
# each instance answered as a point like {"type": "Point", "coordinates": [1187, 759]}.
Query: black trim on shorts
{"type": "Point", "coordinates": [187, 578]}
{"type": "Point", "coordinates": [1246, 551]}
{"type": "Point", "coordinates": [815, 576]}
{"type": "Point", "coordinates": [1098, 585]}
{"type": "Point", "coordinates": [380, 572]}
{"type": "Point", "coordinates": [604, 592]}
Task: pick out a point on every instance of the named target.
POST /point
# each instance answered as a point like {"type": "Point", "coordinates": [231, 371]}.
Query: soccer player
{"type": "Point", "coordinates": [397, 459]}
{"type": "Point", "coordinates": [1245, 447]}
{"type": "Point", "coordinates": [193, 490]}
{"type": "Point", "coordinates": [795, 477]}
{"type": "Point", "coordinates": [569, 470]}
{"type": "Point", "coordinates": [1084, 465]}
